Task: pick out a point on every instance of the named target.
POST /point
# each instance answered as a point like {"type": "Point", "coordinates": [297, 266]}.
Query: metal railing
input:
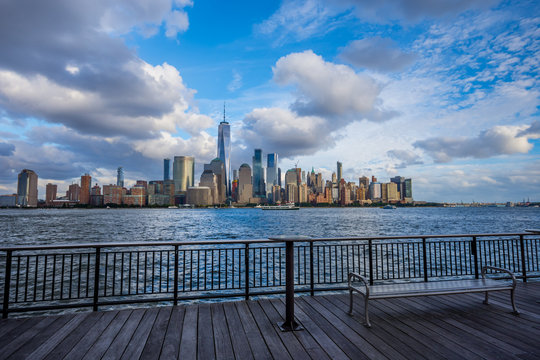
{"type": "Point", "coordinates": [93, 275]}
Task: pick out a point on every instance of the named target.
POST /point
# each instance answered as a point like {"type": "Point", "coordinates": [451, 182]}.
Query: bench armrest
{"type": "Point", "coordinates": [355, 276]}
{"type": "Point", "coordinates": [485, 268]}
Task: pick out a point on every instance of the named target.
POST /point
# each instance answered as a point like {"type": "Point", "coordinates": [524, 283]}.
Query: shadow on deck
{"type": "Point", "coordinates": [455, 326]}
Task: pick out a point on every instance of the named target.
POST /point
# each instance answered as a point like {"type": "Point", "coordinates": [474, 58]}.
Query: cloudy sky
{"type": "Point", "coordinates": [444, 92]}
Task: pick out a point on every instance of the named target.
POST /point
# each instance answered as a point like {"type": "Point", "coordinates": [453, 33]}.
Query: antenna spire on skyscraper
{"type": "Point", "coordinates": [224, 121]}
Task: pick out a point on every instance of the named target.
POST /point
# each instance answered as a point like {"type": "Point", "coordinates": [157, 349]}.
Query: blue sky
{"type": "Point", "coordinates": [444, 92]}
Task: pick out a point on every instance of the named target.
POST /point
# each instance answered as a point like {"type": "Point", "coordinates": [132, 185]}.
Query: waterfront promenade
{"type": "Point", "coordinates": [455, 326]}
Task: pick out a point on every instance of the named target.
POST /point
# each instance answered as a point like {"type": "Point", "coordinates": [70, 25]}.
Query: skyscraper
{"type": "Point", "coordinates": [86, 183]}
{"type": "Point", "coordinates": [120, 177]}
{"type": "Point", "coordinates": [183, 173]}
{"type": "Point", "coordinates": [259, 189]}
{"type": "Point", "coordinates": [27, 192]}
{"type": "Point", "coordinates": [245, 188]}
{"type": "Point", "coordinates": [50, 193]}
{"type": "Point", "coordinates": [271, 172]}
{"type": "Point", "coordinates": [224, 149]}
{"type": "Point", "coordinates": [166, 169]}
{"type": "Point", "coordinates": [217, 167]}
{"type": "Point", "coordinates": [339, 171]}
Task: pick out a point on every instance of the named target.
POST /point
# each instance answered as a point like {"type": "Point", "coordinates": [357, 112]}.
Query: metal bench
{"type": "Point", "coordinates": [359, 284]}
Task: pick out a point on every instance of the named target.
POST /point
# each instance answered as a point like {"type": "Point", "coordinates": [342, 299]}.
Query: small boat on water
{"type": "Point", "coordinates": [288, 206]}
{"type": "Point", "coordinates": [389, 207]}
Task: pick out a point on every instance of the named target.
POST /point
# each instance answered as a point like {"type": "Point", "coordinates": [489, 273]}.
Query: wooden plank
{"type": "Point", "coordinates": [12, 344]}
{"type": "Point", "coordinates": [171, 342]}
{"type": "Point", "coordinates": [238, 338]}
{"type": "Point", "coordinates": [31, 345]}
{"type": "Point", "coordinates": [315, 332]}
{"type": "Point", "coordinates": [288, 338]}
{"type": "Point", "coordinates": [188, 343]}
{"type": "Point", "coordinates": [379, 339]}
{"type": "Point", "coordinates": [408, 331]}
{"type": "Point", "coordinates": [367, 348]}
{"type": "Point", "coordinates": [9, 325]}
{"type": "Point", "coordinates": [120, 343]}
{"type": "Point", "coordinates": [311, 346]}
{"type": "Point", "coordinates": [450, 332]}
{"type": "Point", "coordinates": [58, 336]}
{"type": "Point", "coordinates": [138, 340]}
{"type": "Point", "coordinates": [75, 336]}
{"type": "Point", "coordinates": [337, 337]}
{"type": "Point", "coordinates": [423, 330]}
{"type": "Point", "coordinates": [18, 330]}
{"type": "Point", "coordinates": [103, 342]}
{"type": "Point", "coordinates": [268, 329]}
{"type": "Point", "coordinates": [407, 334]}
{"type": "Point", "coordinates": [484, 333]}
{"type": "Point", "coordinates": [514, 331]}
{"type": "Point", "coordinates": [205, 333]}
{"type": "Point", "coordinates": [254, 337]}
{"type": "Point", "coordinates": [91, 336]}
{"type": "Point", "coordinates": [222, 337]}
{"type": "Point", "coordinates": [152, 349]}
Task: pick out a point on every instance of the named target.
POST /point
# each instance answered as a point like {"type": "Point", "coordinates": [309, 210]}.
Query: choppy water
{"type": "Point", "coordinates": [47, 226]}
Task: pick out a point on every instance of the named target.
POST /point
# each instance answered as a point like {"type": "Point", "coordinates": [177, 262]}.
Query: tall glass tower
{"type": "Point", "coordinates": [259, 189]}
{"type": "Point", "coordinates": [166, 169]}
{"type": "Point", "coordinates": [120, 177]}
{"type": "Point", "coordinates": [27, 192]}
{"type": "Point", "coordinates": [224, 149]}
{"type": "Point", "coordinates": [271, 171]}
{"type": "Point", "coordinates": [183, 173]}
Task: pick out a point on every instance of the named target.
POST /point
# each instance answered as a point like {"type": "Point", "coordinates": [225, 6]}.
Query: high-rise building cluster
{"type": "Point", "coordinates": [255, 184]}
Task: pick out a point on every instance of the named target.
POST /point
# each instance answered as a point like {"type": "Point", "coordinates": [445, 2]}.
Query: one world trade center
{"type": "Point", "coordinates": [224, 149]}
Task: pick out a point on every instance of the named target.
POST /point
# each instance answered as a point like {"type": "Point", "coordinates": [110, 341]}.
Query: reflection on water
{"type": "Point", "coordinates": [46, 226]}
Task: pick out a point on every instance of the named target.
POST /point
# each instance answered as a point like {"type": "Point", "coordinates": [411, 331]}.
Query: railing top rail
{"type": "Point", "coordinates": [241, 241]}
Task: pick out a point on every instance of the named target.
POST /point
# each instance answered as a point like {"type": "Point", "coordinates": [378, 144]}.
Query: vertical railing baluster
{"type": "Point", "coordinates": [523, 260]}
{"type": "Point", "coordinates": [175, 275]}
{"type": "Point", "coordinates": [96, 278]}
{"type": "Point", "coordinates": [7, 283]}
{"type": "Point", "coordinates": [246, 265]}
{"type": "Point", "coordinates": [311, 270]}
{"type": "Point", "coordinates": [424, 254]}
{"type": "Point", "coordinates": [370, 249]}
{"type": "Point", "coordinates": [474, 250]}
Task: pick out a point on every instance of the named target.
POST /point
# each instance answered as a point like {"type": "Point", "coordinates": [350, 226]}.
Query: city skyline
{"type": "Point", "coordinates": [445, 94]}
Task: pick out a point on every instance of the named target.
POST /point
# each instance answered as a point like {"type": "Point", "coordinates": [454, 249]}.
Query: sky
{"type": "Point", "coordinates": [443, 92]}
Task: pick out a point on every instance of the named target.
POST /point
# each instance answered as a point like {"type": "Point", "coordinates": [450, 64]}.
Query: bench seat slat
{"type": "Point", "coordinates": [435, 288]}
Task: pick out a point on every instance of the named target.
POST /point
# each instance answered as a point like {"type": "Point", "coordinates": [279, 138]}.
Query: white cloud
{"type": "Point", "coordinates": [236, 82]}
{"type": "Point", "coordinates": [202, 146]}
{"type": "Point", "coordinates": [91, 111]}
{"type": "Point", "coordinates": [499, 140]}
{"type": "Point", "coordinates": [376, 53]}
{"type": "Point", "coordinates": [144, 16]}
{"type": "Point", "coordinates": [283, 131]}
{"type": "Point", "coordinates": [328, 89]}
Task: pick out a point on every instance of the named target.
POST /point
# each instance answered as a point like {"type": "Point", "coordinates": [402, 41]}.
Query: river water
{"type": "Point", "coordinates": [72, 226]}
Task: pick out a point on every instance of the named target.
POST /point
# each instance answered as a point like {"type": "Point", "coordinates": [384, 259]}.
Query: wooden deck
{"type": "Point", "coordinates": [455, 326]}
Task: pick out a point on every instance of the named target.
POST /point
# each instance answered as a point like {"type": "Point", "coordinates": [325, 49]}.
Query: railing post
{"type": "Point", "coordinates": [311, 269]}
{"type": "Point", "coordinates": [7, 282]}
{"type": "Point", "coordinates": [474, 251]}
{"type": "Point", "coordinates": [523, 260]}
{"type": "Point", "coordinates": [175, 275]}
{"type": "Point", "coordinates": [96, 278]}
{"type": "Point", "coordinates": [246, 261]}
{"type": "Point", "coordinates": [424, 253]}
{"type": "Point", "coordinates": [370, 249]}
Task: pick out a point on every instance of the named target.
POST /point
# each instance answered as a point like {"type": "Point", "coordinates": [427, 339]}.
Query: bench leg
{"type": "Point", "coordinates": [350, 302]}
{"type": "Point", "coordinates": [486, 299]}
{"type": "Point", "coordinates": [512, 297]}
{"type": "Point", "coordinates": [366, 313]}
